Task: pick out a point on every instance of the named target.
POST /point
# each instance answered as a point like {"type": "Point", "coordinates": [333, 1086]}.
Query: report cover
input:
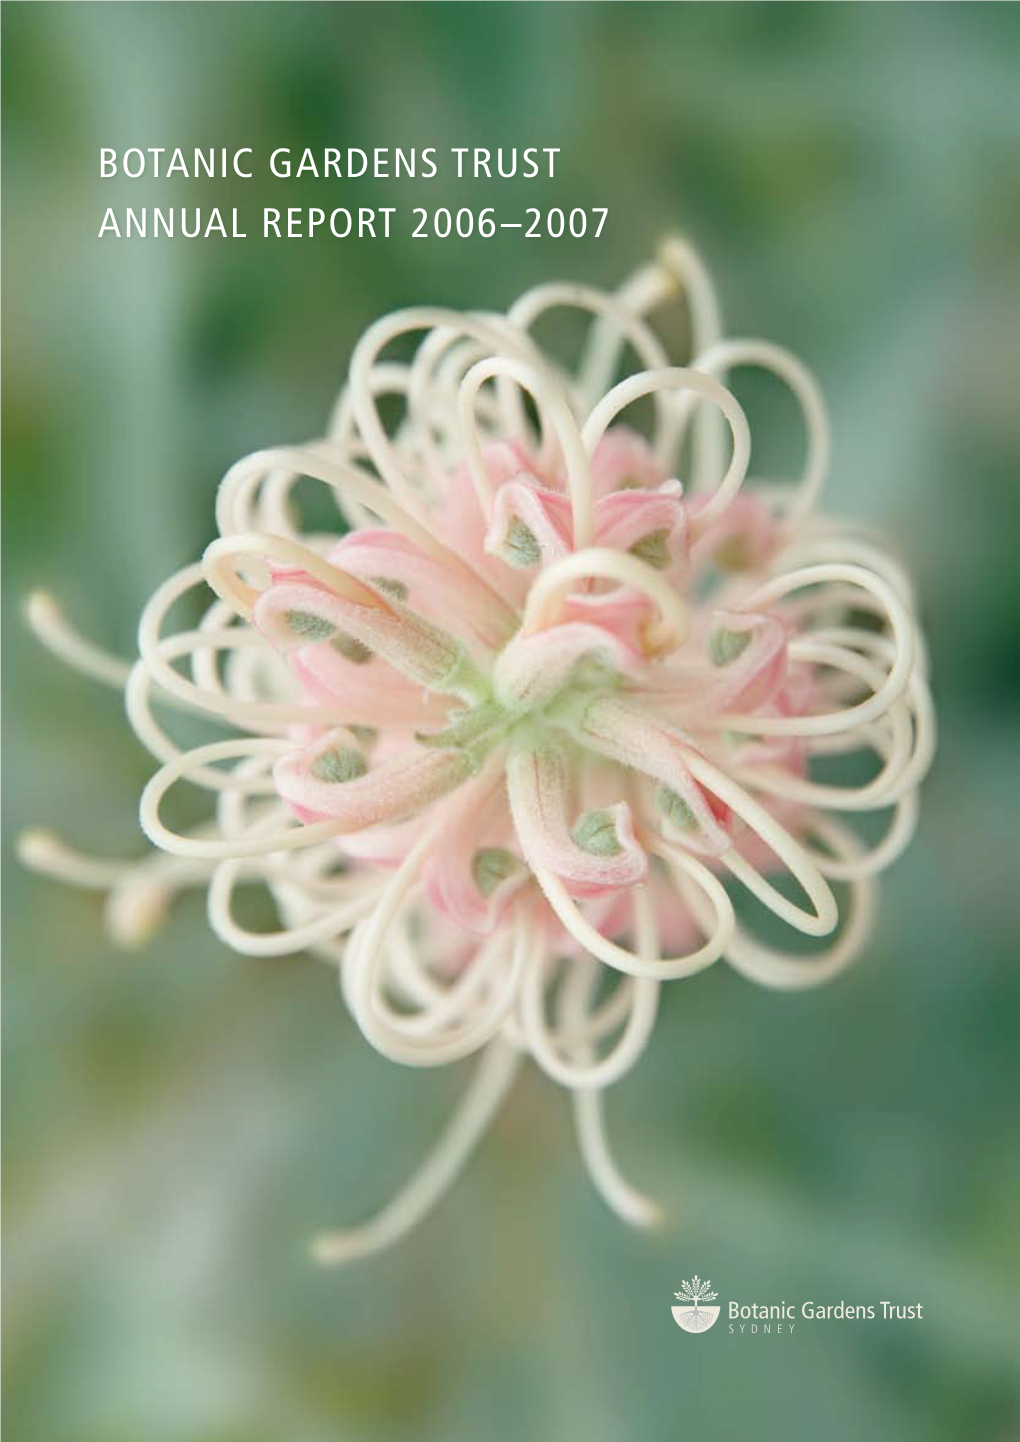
{"type": "Point", "coordinates": [510, 660]}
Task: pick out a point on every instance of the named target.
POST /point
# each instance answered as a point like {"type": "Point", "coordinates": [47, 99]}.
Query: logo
{"type": "Point", "coordinates": [691, 1315]}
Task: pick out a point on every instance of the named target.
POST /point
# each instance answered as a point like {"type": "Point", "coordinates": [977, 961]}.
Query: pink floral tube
{"type": "Point", "coordinates": [547, 722]}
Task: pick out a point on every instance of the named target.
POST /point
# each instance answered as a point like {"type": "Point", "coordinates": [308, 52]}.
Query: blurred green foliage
{"type": "Point", "coordinates": [179, 1121]}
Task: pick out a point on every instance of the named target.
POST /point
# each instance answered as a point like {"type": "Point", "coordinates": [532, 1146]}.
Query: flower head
{"type": "Point", "coordinates": [554, 697]}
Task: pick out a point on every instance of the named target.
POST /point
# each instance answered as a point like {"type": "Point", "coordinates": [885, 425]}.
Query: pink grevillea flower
{"type": "Point", "coordinates": [555, 705]}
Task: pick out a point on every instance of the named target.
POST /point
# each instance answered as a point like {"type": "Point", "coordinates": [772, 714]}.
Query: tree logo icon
{"type": "Point", "coordinates": [691, 1314]}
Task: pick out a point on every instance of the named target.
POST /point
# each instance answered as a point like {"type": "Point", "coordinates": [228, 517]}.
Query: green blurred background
{"type": "Point", "coordinates": [179, 1121]}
